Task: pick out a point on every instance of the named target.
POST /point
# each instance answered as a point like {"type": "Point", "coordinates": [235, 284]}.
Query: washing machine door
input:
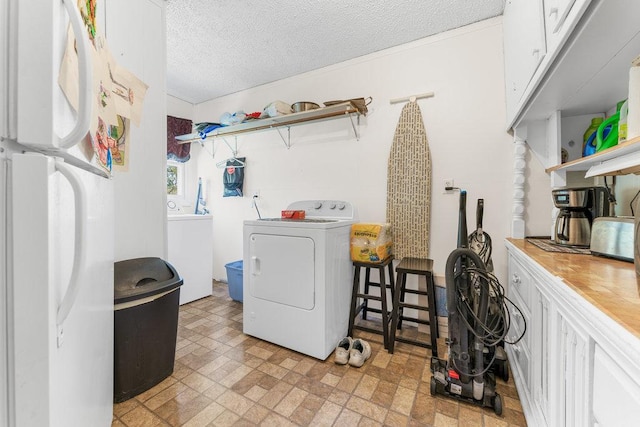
{"type": "Point", "coordinates": [282, 269]}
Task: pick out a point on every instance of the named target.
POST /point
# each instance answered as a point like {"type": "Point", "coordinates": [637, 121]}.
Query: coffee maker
{"type": "Point", "coordinates": [578, 208]}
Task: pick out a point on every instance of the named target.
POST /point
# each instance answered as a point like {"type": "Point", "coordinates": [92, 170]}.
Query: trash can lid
{"type": "Point", "coordinates": [235, 265]}
{"type": "Point", "coordinates": [139, 278]}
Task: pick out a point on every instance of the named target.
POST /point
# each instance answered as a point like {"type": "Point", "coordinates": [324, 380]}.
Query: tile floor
{"type": "Point", "coordinates": [225, 378]}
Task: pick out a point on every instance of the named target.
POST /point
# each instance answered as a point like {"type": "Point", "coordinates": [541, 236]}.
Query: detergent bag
{"type": "Point", "coordinates": [371, 242]}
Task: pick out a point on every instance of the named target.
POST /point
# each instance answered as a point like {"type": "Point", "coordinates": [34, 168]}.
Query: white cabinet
{"type": "Point", "coordinates": [576, 367]}
{"type": "Point", "coordinates": [529, 358]}
{"type": "Point", "coordinates": [535, 32]}
{"type": "Point", "coordinates": [190, 251]}
{"type": "Point", "coordinates": [616, 394]}
{"type": "Point", "coordinates": [544, 65]}
{"type": "Point", "coordinates": [524, 47]}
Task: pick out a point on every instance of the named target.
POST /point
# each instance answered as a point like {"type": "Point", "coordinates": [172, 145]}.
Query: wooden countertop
{"type": "Point", "coordinates": [610, 285]}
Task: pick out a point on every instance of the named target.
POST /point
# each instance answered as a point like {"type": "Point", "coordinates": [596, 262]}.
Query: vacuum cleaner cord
{"type": "Point", "coordinates": [496, 295]}
{"type": "Point", "coordinates": [498, 325]}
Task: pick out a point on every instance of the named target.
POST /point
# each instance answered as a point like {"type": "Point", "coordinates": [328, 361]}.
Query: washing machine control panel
{"type": "Point", "coordinates": [325, 209]}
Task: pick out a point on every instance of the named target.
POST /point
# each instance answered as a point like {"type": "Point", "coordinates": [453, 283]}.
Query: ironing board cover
{"type": "Point", "coordinates": [409, 185]}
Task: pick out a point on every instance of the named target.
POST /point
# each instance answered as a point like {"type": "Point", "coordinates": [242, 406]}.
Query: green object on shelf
{"type": "Point", "coordinates": [622, 124]}
{"type": "Point", "coordinates": [602, 143]}
{"type": "Point", "coordinates": [593, 127]}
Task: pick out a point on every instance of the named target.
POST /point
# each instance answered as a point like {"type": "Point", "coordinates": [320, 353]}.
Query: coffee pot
{"type": "Point", "coordinates": [578, 208]}
{"type": "Point", "coordinates": [573, 228]}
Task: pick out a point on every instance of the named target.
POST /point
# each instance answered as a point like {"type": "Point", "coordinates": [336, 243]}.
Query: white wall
{"type": "Point", "coordinates": [627, 186]}
{"type": "Point", "coordinates": [178, 108]}
{"type": "Point", "coordinates": [140, 207]}
{"type": "Point", "coordinates": [464, 121]}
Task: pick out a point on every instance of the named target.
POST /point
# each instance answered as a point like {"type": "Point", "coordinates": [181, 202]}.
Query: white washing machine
{"type": "Point", "coordinates": [297, 277]}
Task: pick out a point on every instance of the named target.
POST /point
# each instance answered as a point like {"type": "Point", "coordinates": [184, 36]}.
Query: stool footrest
{"type": "Point", "coordinates": [415, 307]}
{"type": "Point", "coordinates": [373, 297]}
{"type": "Point", "coordinates": [415, 292]}
{"type": "Point", "coordinates": [377, 310]}
{"type": "Point", "coordinates": [416, 320]}
{"type": "Point", "coordinates": [377, 285]}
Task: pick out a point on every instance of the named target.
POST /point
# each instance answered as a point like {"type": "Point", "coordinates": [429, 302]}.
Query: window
{"type": "Point", "coordinates": [175, 179]}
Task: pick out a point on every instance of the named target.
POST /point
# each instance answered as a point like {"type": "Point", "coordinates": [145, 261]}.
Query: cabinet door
{"type": "Point", "coordinates": [560, 17]}
{"type": "Point", "coordinates": [520, 351]}
{"type": "Point", "coordinates": [573, 407]}
{"type": "Point", "coordinates": [555, 12]}
{"type": "Point", "coordinates": [616, 395]}
{"type": "Point", "coordinates": [520, 283]}
{"type": "Point", "coordinates": [541, 352]}
{"type": "Point", "coordinates": [524, 47]}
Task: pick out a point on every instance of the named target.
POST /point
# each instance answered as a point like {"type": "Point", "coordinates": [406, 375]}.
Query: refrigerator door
{"type": "Point", "coordinates": [62, 286]}
{"type": "Point", "coordinates": [34, 111]}
{"type": "Point", "coordinates": [45, 120]}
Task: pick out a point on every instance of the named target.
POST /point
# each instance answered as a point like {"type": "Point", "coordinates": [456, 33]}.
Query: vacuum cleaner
{"type": "Point", "coordinates": [480, 242]}
{"type": "Point", "coordinates": [478, 323]}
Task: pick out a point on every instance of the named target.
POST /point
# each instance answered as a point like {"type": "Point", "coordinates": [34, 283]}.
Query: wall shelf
{"type": "Point", "coordinates": [618, 160]}
{"type": "Point", "coordinates": [345, 109]}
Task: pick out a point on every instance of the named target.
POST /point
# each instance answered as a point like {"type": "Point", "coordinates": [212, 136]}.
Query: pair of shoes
{"type": "Point", "coordinates": [360, 352]}
{"type": "Point", "coordinates": [355, 352]}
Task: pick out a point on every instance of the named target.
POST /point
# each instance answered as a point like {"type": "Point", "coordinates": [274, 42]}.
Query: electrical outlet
{"type": "Point", "coordinates": [448, 183]}
{"type": "Point", "coordinates": [256, 194]}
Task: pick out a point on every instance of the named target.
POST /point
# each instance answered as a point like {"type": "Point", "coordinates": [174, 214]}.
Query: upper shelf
{"type": "Point", "coordinates": [618, 160]}
{"type": "Point", "coordinates": [331, 112]}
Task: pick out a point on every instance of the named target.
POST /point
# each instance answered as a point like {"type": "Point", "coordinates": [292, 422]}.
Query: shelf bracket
{"type": "Point", "coordinates": [233, 150]}
{"type": "Point", "coordinates": [355, 130]}
{"type": "Point", "coordinates": [287, 142]}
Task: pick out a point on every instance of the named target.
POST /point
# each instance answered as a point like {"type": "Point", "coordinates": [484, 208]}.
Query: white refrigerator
{"type": "Point", "coordinates": [56, 231]}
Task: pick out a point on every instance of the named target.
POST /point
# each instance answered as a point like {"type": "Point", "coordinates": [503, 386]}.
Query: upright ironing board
{"type": "Point", "coordinates": [409, 185]}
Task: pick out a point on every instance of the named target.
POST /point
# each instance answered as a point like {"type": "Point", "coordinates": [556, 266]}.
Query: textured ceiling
{"type": "Point", "coordinates": [217, 47]}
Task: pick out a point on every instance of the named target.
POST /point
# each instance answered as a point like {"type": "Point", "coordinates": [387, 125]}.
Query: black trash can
{"type": "Point", "coordinates": [146, 303]}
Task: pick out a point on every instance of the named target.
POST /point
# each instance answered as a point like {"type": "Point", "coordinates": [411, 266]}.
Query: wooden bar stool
{"type": "Point", "coordinates": [387, 264]}
{"type": "Point", "coordinates": [420, 267]}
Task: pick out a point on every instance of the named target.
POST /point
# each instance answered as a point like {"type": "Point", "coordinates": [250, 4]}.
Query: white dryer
{"type": "Point", "coordinates": [297, 277]}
